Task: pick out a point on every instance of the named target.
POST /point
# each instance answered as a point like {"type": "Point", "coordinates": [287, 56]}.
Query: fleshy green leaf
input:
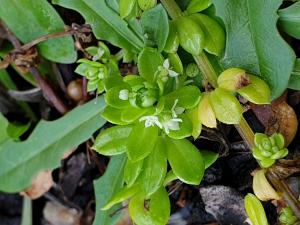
{"type": "Point", "coordinates": [255, 210]}
{"type": "Point", "coordinates": [253, 42]}
{"type": "Point", "coordinates": [122, 195]}
{"type": "Point", "coordinates": [196, 122]}
{"type": "Point", "coordinates": [289, 20]}
{"type": "Point", "coordinates": [113, 115]}
{"type": "Point", "coordinates": [209, 157]}
{"type": "Point", "coordinates": [154, 168]}
{"type": "Point", "coordinates": [225, 106]}
{"type": "Point", "coordinates": [126, 6]}
{"type": "Point", "coordinates": [112, 97]}
{"type": "Point", "coordinates": [112, 141]}
{"type": "Point", "coordinates": [198, 6]}
{"type": "Point", "coordinates": [131, 171]}
{"type": "Point", "coordinates": [172, 42]}
{"type": "Point", "coordinates": [188, 97]}
{"type": "Point", "coordinates": [186, 160]}
{"type": "Point", "coordinates": [141, 141]}
{"type": "Point", "coordinates": [106, 23]}
{"type": "Point", "coordinates": [155, 27]}
{"type": "Point", "coordinates": [147, 70]}
{"type": "Point", "coordinates": [159, 209]}
{"type": "Point", "coordinates": [107, 186]}
{"type": "Point", "coordinates": [40, 18]}
{"type": "Point", "coordinates": [185, 128]}
{"type": "Point", "coordinates": [214, 33]}
{"type": "Point", "coordinates": [35, 154]}
{"type": "Point", "coordinates": [257, 91]}
{"type": "Point", "coordinates": [191, 36]}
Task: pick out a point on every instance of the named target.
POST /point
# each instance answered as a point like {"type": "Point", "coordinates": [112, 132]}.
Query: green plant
{"type": "Point", "coordinates": [159, 109]}
{"type": "Point", "coordinates": [268, 149]}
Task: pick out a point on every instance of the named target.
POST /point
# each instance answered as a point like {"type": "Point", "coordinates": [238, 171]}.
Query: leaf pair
{"type": "Point", "coordinates": [198, 31]}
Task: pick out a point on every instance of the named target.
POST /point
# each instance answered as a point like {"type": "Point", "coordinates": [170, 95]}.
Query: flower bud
{"type": "Point", "coordinates": [144, 95]}
{"type": "Point", "coordinates": [147, 4]}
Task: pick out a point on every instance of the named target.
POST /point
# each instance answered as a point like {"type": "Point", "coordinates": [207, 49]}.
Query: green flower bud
{"type": "Point", "coordinates": [147, 4]}
{"type": "Point", "coordinates": [192, 70]}
{"type": "Point", "coordinates": [143, 95]}
{"type": "Point", "coordinates": [268, 149]}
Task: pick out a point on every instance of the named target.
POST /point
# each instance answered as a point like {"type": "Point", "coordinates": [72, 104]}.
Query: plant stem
{"type": "Point", "coordinates": [206, 69]}
{"type": "Point", "coordinates": [243, 127]}
{"type": "Point", "coordinates": [172, 8]}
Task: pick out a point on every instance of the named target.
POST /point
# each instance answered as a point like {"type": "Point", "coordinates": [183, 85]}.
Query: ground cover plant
{"type": "Point", "coordinates": [149, 112]}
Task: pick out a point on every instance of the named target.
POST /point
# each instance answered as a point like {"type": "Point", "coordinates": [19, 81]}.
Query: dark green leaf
{"type": "Point", "coordinates": [107, 186]}
{"type": "Point", "coordinates": [186, 160]}
{"type": "Point", "coordinates": [156, 27]}
{"type": "Point", "coordinates": [112, 141]}
{"type": "Point", "coordinates": [106, 23]}
{"type": "Point", "coordinates": [3, 129]}
{"type": "Point", "coordinates": [46, 145]}
{"type": "Point", "coordinates": [30, 19]}
{"type": "Point", "coordinates": [294, 82]}
{"type": "Point", "coordinates": [289, 20]}
{"type": "Point", "coordinates": [253, 42]}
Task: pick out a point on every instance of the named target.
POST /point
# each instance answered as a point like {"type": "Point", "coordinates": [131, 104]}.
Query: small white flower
{"type": "Point", "coordinates": [123, 94]}
{"type": "Point", "coordinates": [176, 110]}
{"type": "Point", "coordinates": [171, 124]}
{"type": "Point", "coordinates": [99, 54]}
{"type": "Point", "coordinates": [166, 69]}
{"type": "Point", "coordinates": [151, 121]}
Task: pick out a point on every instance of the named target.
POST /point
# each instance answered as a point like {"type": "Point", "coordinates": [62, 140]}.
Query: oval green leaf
{"type": "Point", "coordinates": [141, 141]}
{"type": "Point", "coordinates": [255, 210]}
{"type": "Point", "coordinates": [225, 106]}
{"type": "Point", "coordinates": [186, 160]}
{"type": "Point", "coordinates": [147, 70]}
{"type": "Point", "coordinates": [112, 141]}
{"type": "Point", "coordinates": [131, 171]}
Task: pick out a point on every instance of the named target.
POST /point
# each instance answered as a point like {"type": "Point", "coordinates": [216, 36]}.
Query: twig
{"type": "Point", "coordinates": [47, 90]}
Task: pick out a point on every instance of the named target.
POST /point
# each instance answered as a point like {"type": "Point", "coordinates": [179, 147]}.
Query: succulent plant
{"type": "Point", "coordinates": [268, 149]}
{"type": "Point", "coordinates": [287, 217]}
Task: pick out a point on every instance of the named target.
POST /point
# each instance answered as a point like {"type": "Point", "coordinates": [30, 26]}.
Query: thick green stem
{"type": "Point", "coordinates": [206, 69]}
{"type": "Point", "coordinates": [172, 8]}
{"type": "Point", "coordinates": [243, 127]}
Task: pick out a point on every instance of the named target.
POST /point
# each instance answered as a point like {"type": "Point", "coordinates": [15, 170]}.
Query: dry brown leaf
{"type": "Point", "coordinates": [41, 184]}
{"type": "Point", "coordinates": [57, 214]}
{"type": "Point", "coordinates": [278, 117]}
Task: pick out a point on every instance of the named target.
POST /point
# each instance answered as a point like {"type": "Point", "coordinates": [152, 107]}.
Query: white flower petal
{"type": "Point", "coordinates": [166, 64]}
{"type": "Point", "coordinates": [179, 110]}
{"type": "Point", "coordinates": [123, 94]}
{"type": "Point", "coordinates": [151, 121]}
{"type": "Point", "coordinates": [173, 73]}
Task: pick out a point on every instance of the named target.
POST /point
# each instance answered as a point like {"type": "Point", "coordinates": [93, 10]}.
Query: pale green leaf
{"type": "Point", "coordinates": [289, 20]}
{"type": "Point", "coordinates": [46, 145]}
